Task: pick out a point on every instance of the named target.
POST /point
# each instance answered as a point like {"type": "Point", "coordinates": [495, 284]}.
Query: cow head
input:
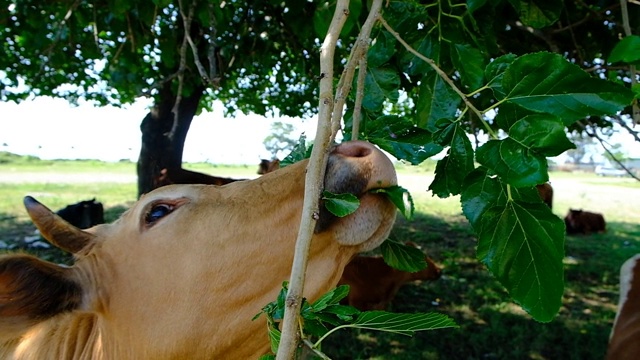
{"type": "Point", "coordinates": [184, 270]}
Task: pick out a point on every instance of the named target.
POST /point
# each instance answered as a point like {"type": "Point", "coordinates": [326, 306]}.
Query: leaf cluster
{"type": "Point", "coordinates": [460, 85]}
{"type": "Point", "coordinates": [326, 315]}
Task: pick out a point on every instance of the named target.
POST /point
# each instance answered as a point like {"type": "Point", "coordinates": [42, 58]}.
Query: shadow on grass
{"type": "Point", "coordinates": [491, 325]}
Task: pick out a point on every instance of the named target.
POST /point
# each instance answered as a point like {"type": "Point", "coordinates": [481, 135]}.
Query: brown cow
{"type": "Point", "coordinates": [624, 341]}
{"type": "Point", "coordinates": [584, 222]}
{"type": "Point", "coordinates": [170, 176]}
{"type": "Point", "coordinates": [182, 273]}
{"type": "Point", "coordinates": [267, 166]}
{"type": "Point", "coordinates": [373, 284]}
{"type": "Point", "coordinates": [546, 194]}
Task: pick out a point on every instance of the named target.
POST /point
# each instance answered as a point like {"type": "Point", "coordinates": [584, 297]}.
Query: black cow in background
{"type": "Point", "coordinates": [84, 214]}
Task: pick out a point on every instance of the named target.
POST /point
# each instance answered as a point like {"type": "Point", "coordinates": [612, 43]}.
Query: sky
{"type": "Point", "coordinates": [52, 129]}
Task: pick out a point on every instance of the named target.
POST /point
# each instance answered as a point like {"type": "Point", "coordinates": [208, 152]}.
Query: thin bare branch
{"type": "Point", "coordinates": [357, 107]}
{"type": "Point", "coordinates": [183, 65]}
{"type": "Point", "coordinates": [441, 73]}
{"type": "Point", "coordinates": [603, 143]}
{"type": "Point", "coordinates": [621, 122]}
{"type": "Point", "coordinates": [313, 180]}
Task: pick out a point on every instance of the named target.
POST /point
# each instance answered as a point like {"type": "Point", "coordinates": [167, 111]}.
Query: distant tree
{"type": "Point", "coordinates": [281, 139]}
{"type": "Point", "coordinates": [585, 145]}
{"type": "Point", "coordinates": [616, 153]}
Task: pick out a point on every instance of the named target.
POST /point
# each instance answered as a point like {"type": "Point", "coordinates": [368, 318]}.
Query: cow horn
{"type": "Point", "coordinates": [55, 229]}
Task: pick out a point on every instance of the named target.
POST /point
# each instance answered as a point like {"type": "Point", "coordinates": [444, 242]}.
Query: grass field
{"type": "Point", "coordinates": [491, 326]}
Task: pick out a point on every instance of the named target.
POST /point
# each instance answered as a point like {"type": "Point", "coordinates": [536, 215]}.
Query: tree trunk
{"type": "Point", "coordinates": [163, 137]}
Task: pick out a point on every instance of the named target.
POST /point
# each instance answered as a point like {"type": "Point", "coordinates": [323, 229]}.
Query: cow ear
{"type": "Point", "coordinates": [34, 289]}
{"type": "Point", "coordinates": [56, 230]}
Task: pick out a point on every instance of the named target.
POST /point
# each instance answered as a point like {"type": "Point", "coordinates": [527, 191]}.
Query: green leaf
{"type": "Point", "coordinates": [522, 245]}
{"type": "Point", "coordinates": [538, 13]}
{"type": "Point", "coordinates": [469, 62]}
{"type": "Point", "coordinates": [267, 357]}
{"type": "Point", "coordinates": [342, 312]}
{"type": "Point", "coordinates": [514, 163]}
{"type": "Point", "coordinates": [480, 192]}
{"type": "Point", "coordinates": [399, 137]}
{"type": "Point", "coordinates": [400, 197]}
{"type": "Point", "coordinates": [333, 297]}
{"type": "Point", "coordinates": [495, 71]}
{"type": "Point", "coordinates": [402, 257]}
{"type": "Point", "coordinates": [509, 114]}
{"type": "Point", "coordinates": [444, 130]}
{"type": "Point", "coordinates": [546, 82]}
{"type": "Point", "coordinates": [627, 51]}
{"type": "Point", "coordinates": [405, 324]}
{"type": "Point", "coordinates": [380, 84]}
{"type": "Point", "coordinates": [483, 190]}
{"type": "Point", "coordinates": [542, 133]}
{"type": "Point", "coordinates": [426, 45]}
{"type": "Point", "coordinates": [454, 167]}
{"type": "Point", "coordinates": [383, 48]}
{"type": "Point", "coordinates": [436, 100]}
{"type": "Point", "coordinates": [274, 338]}
{"type": "Point", "coordinates": [340, 205]}
{"type": "Point", "coordinates": [520, 160]}
{"type": "Point", "coordinates": [473, 5]}
{"type": "Point", "coordinates": [299, 152]}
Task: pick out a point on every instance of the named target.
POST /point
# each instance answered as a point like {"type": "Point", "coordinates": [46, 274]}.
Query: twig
{"type": "Point", "coordinates": [441, 73]}
{"type": "Point", "coordinates": [358, 52]}
{"type": "Point", "coordinates": [628, 128]}
{"type": "Point", "coordinates": [357, 107]}
{"type": "Point", "coordinates": [602, 143]}
{"type": "Point", "coordinates": [183, 64]}
{"type": "Point", "coordinates": [313, 179]}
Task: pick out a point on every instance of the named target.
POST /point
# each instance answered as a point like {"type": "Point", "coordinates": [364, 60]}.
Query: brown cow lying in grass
{"type": "Point", "coordinates": [181, 176]}
{"type": "Point", "coordinates": [624, 342]}
{"type": "Point", "coordinates": [182, 273]}
{"type": "Point", "coordinates": [546, 194]}
{"type": "Point", "coordinates": [267, 166]}
{"type": "Point", "coordinates": [584, 222]}
{"type": "Point", "coordinates": [373, 284]}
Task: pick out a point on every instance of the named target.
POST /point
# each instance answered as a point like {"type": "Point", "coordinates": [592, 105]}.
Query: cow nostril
{"type": "Point", "coordinates": [356, 149]}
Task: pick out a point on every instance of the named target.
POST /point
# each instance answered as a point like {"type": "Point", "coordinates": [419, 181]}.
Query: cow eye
{"type": "Point", "coordinates": [157, 212]}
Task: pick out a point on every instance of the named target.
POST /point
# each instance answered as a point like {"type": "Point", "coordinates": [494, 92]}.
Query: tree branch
{"type": "Point", "coordinates": [313, 179]}
{"type": "Point", "coordinates": [602, 143]}
{"type": "Point", "coordinates": [357, 53]}
{"type": "Point", "coordinates": [357, 107]}
{"type": "Point", "coordinates": [441, 73]}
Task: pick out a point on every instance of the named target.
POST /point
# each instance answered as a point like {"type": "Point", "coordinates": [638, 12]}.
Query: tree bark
{"type": "Point", "coordinates": [163, 136]}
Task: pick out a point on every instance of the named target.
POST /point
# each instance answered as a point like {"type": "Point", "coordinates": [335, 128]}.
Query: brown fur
{"type": "Point", "coordinates": [584, 222]}
{"type": "Point", "coordinates": [623, 342]}
{"type": "Point", "coordinates": [373, 284]}
{"type": "Point", "coordinates": [182, 273]}
{"type": "Point", "coordinates": [267, 166]}
{"type": "Point", "coordinates": [181, 176]}
{"type": "Point", "coordinates": [546, 194]}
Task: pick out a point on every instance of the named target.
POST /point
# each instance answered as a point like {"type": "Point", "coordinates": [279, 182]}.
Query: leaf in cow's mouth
{"type": "Point", "coordinates": [340, 205]}
{"type": "Point", "coordinates": [400, 197]}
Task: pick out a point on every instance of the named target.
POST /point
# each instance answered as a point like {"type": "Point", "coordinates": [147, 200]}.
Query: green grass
{"type": "Point", "coordinates": [491, 326]}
